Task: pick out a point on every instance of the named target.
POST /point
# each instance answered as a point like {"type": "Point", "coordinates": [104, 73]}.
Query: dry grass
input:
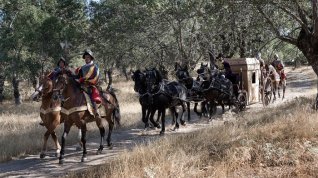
{"type": "Point", "coordinates": [270, 144]}
{"type": "Point", "coordinates": [20, 124]}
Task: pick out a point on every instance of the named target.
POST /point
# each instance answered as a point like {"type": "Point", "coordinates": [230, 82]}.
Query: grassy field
{"type": "Point", "coordinates": [270, 143]}
{"type": "Point", "coordinates": [21, 133]}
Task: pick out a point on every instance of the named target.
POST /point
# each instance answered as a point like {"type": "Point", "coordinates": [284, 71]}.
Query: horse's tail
{"type": "Point", "coordinates": [116, 112]}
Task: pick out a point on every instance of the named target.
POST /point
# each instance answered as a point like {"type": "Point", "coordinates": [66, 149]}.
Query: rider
{"type": "Point", "coordinates": [88, 76]}
{"type": "Point", "coordinates": [224, 66]}
{"type": "Point", "coordinates": [279, 66]}
{"type": "Point", "coordinates": [61, 66]}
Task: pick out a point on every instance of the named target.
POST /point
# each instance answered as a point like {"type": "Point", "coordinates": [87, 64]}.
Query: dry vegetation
{"type": "Point", "coordinates": [270, 144]}
{"type": "Point", "coordinates": [21, 133]}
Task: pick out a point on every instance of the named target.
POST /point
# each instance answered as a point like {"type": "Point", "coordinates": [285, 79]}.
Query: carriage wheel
{"type": "Point", "coordinates": [242, 101]}
{"type": "Point", "coordinates": [268, 92]}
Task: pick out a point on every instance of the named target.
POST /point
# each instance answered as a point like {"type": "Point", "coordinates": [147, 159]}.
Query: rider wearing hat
{"type": "Point", "coordinates": [279, 66]}
{"type": "Point", "coordinates": [61, 66]}
{"type": "Point", "coordinates": [88, 76]}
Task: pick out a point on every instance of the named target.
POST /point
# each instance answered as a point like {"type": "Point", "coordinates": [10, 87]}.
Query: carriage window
{"type": "Point", "coordinates": [254, 77]}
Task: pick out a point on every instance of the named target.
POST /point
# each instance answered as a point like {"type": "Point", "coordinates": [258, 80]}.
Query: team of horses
{"type": "Point", "coordinates": [65, 101]}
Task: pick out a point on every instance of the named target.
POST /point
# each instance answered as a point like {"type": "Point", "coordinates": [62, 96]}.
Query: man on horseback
{"type": "Point", "coordinates": [279, 66]}
{"type": "Point", "coordinates": [88, 77]}
{"type": "Point", "coordinates": [61, 67]}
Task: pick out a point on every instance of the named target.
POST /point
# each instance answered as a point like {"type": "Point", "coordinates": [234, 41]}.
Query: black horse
{"type": "Point", "coordinates": [193, 86]}
{"type": "Point", "coordinates": [215, 88]}
{"type": "Point", "coordinates": [144, 98]}
{"type": "Point", "coordinates": [165, 95]}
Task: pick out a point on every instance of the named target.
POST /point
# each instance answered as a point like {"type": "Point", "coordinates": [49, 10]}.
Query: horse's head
{"type": "Point", "coordinates": [45, 88]}
{"type": "Point", "coordinates": [60, 85]}
{"type": "Point", "coordinates": [182, 72]}
{"type": "Point", "coordinates": [204, 72]}
{"type": "Point", "coordinates": [153, 78]}
{"type": "Point", "coordinates": [140, 81]}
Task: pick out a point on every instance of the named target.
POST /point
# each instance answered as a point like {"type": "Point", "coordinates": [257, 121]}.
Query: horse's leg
{"type": "Point", "coordinates": [67, 128]}
{"type": "Point", "coordinates": [110, 131]}
{"type": "Point", "coordinates": [144, 116]}
{"type": "Point", "coordinates": [174, 115]}
{"type": "Point", "coordinates": [83, 139]}
{"type": "Point", "coordinates": [284, 88]}
{"type": "Point", "coordinates": [158, 119]}
{"type": "Point", "coordinates": [163, 120]}
{"type": "Point", "coordinates": [183, 110]}
{"type": "Point", "coordinates": [101, 133]}
{"type": "Point", "coordinates": [196, 110]}
{"type": "Point", "coordinates": [152, 113]}
{"type": "Point", "coordinates": [188, 108]}
{"type": "Point", "coordinates": [56, 142]}
{"type": "Point", "coordinates": [44, 148]}
{"type": "Point", "coordinates": [278, 88]}
{"type": "Point", "coordinates": [80, 144]}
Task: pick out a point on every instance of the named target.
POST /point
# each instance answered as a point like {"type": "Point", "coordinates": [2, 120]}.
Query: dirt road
{"type": "Point", "coordinates": [301, 82]}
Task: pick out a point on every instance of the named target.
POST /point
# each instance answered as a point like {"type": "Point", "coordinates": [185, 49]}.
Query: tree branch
{"type": "Point", "coordinates": [287, 39]}
{"type": "Point", "coordinates": [299, 20]}
{"type": "Point", "coordinates": [315, 17]}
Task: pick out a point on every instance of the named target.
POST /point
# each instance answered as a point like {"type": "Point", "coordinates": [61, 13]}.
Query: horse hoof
{"type": "Point", "coordinates": [83, 159]}
{"type": "Point", "coordinates": [42, 155]}
{"type": "Point", "coordinates": [56, 155]}
{"type": "Point", "coordinates": [99, 152]}
{"type": "Point", "coordinates": [61, 161]}
{"type": "Point", "coordinates": [158, 126]}
{"type": "Point", "coordinates": [162, 133]}
{"type": "Point", "coordinates": [183, 123]}
{"type": "Point", "coordinates": [110, 146]}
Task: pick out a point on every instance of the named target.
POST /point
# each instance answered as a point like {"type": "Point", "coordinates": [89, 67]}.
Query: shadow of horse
{"type": "Point", "coordinates": [75, 111]}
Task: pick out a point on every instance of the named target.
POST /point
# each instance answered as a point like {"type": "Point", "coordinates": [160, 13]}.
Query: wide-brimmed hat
{"type": "Point", "coordinates": [88, 52]}
{"type": "Point", "coordinates": [61, 59]}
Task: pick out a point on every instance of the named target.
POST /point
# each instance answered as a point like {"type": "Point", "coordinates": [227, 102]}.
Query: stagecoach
{"type": "Point", "coordinates": [255, 83]}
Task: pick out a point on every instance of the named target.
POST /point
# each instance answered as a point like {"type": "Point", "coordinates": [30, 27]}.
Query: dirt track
{"type": "Point", "coordinates": [301, 82]}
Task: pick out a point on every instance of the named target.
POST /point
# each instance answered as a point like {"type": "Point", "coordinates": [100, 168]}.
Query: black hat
{"type": "Point", "coordinates": [88, 52]}
{"type": "Point", "coordinates": [61, 59]}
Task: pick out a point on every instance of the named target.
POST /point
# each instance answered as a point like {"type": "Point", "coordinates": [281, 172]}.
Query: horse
{"type": "Point", "coordinates": [165, 95]}
{"type": "Point", "coordinates": [140, 87]}
{"type": "Point", "coordinates": [49, 113]}
{"type": "Point", "coordinates": [215, 88]}
{"type": "Point", "coordinates": [192, 86]}
{"type": "Point", "coordinates": [75, 110]}
{"type": "Point", "coordinates": [275, 78]}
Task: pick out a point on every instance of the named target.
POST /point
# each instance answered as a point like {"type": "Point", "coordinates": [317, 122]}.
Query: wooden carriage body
{"type": "Point", "coordinates": [249, 70]}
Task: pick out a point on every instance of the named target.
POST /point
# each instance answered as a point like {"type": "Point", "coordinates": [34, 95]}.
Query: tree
{"type": "Point", "coordinates": [294, 23]}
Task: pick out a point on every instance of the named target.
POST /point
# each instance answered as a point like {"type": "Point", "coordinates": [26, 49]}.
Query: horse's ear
{"type": "Point", "coordinates": [202, 64]}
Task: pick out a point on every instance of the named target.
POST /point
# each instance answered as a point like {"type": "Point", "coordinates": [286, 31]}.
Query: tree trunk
{"type": "Point", "coordinates": [2, 78]}
{"type": "Point", "coordinates": [125, 73]}
{"type": "Point", "coordinates": [16, 93]}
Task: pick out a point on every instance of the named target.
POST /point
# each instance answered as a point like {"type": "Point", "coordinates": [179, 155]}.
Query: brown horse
{"type": "Point", "coordinates": [76, 111]}
{"type": "Point", "coordinates": [49, 113]}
